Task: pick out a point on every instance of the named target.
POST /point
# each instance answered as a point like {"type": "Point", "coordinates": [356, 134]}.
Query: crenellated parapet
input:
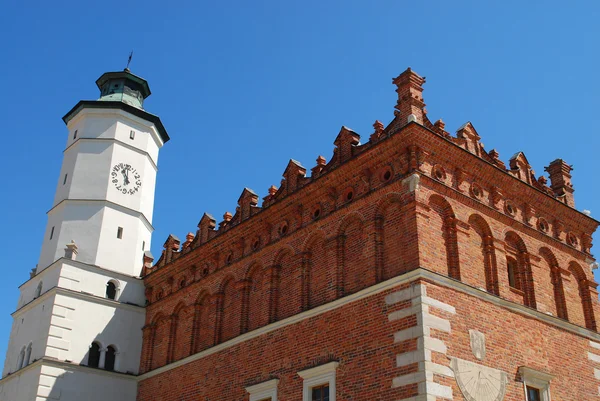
{"type": "Point", "coordinates": [410, 144]}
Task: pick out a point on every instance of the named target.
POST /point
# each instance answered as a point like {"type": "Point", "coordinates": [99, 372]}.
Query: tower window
{"type": "Point", "coordinates": [120, 232]}
{"type": "Point", "coordinates": [143, 245]}
{"type": "Point", "coordinates": [65, 179]}
{"type": "Point", "coordinates": [94, 356]}
{"type": "Point", "coordinates": [38, 290]}
{"type": "Point", "coordinates": [75, 134]}
{"type": "Point", "coordinates": [533, 394]}
{"type": "Point", "coordinates": [110, 357]}
{"type": "Point", "coordinates": [131, 134]}
{"type": "Point", "coordinates": [111, 290]}
{"type": "Point", "coordinates": [52, 233]}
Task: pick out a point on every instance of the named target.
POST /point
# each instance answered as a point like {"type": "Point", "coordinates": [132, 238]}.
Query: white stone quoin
{"type": "Point", "coordinates": [86, 288]}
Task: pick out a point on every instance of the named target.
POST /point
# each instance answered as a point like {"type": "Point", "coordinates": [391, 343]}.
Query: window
{"type": "Point", "coordinates": [131, 134]}
{"type": "Point", "coordinates": [533, 394]}
{"type": "Point", "coordinates": [21, 358]}
{"type": "Point", "coordinates": [536, 384]}
{"type": "Point", "coordinates": [320, 393]}
{"type": "Point", "coordinates": [111, 290]}
{"type": "Point", "coordinates": [120, 232]}
{"type": "Point", "coordinates": [94, 356]}
{"type": "Point", "coordinates": [319, 382]}
{"type": "Point", "coordinates": [511, 265]}
{"type": "Point", "coordinates": [75, 134]}
{"type": "Point", "coordinates": [265, 391]}
{"type": "Point", "coordinates": [65, 179]}
{"type": "Point", "coordinates": [28, 355]}
{"type": "Point", "coordinates": [52, 233]}
{"type": "Point", "coordinates": [38, 290]}
{"type": "Point", "coordinates": [143, 245]}
{"type": "Point", "coordinates": [111, 354]}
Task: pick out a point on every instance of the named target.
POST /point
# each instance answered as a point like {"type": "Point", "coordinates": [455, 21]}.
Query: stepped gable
{"type": "Point", "coordinates": [410, 144]}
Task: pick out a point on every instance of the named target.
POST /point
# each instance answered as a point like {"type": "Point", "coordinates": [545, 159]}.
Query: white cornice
{"type": "Point", "coordinates": [79, 295]}
{"type": "Point", "coordinates": [114, 140]}
{"type": "Point", "coordinates": [67, 366]}
{"type": "Point", "coordinates": [79, 265]}
{"type": "Point", "coordinates": [108, 203]}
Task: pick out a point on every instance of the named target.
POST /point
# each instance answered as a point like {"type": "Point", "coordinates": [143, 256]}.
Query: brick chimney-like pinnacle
{"type": "Point", "coordinates": [560, 180]}
{"type": "Point", "coordinates": [410, 98]}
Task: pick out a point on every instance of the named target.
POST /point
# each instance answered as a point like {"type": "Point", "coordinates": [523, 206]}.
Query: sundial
{"type": "Point", "coordinates": [478, 382]}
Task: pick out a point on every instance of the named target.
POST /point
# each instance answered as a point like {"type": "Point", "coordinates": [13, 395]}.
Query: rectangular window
{"type": "Point", "coordinates": [533, 394]}
{"type": "Point", "coordinates": [52, 233]}
{"type": "Point", "coordinates": [318, 383]}
{"type": "Point", "coordinates": [320, 393]}
{"type": "Point", "coordinates": [75, 134]}
{"type": "Point", "coordinates": [120, 232]}
{"type": "Point", "coordinates": [131, 134]}
{"type": "Point", "coordinates": [265, 391]}
{"type": "Point", "coordinates": [65, 180]}
{"type": "Point", "coordinates": [143, 245]}
{"type": "Point", "coordinates": [511, 265]}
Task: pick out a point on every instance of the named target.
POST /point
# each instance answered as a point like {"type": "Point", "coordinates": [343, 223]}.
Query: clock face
{"type": "Point", "coordinates": [125, 178]}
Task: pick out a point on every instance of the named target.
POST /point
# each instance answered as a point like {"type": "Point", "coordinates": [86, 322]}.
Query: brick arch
{"type": "Point", "coordinates": [352, 273]}
{"type": "Point", "coordinates": [557, 282]}
{"type": "Point", "coordinates": [390, 241]}
{"type": "Point", "coordinates": [203, 328]}
{"type": "Point", "coordinates": [161, 327]}
{"type": "Point", "coordinates": [318, 275]}
{"type": "Point", "coordinates": [488, 252]}
{"type": "Point", "coordinates": [181, 332]}
{"type": "Point", "coordinates": [229, 309]}
{"type": "Point", "coordinates": [287, 288]}
{"type": "Point", "coordinates": [448, 228]}
{"type": "Point", "coordinates": [585, 294]}
{"type": "Point", "coordinates": [516, 248]}
{"type": "Point", "coordinates": [256, 297]}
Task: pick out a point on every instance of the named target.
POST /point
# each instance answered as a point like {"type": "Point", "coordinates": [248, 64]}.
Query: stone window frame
{"type": "Point", "coordinates": [263, 391]}
{"type": "Point", "coordinates": [318, 376]}
{"type": "Point", "coordinates": [537, 379]}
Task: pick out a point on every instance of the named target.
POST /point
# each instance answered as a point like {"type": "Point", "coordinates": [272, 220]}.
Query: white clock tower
{"type": "Point", "coordinates": [76, 333]}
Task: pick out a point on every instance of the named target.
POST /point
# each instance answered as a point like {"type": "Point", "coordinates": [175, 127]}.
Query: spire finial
{"type": "Point", "coordinates": [129, 61]}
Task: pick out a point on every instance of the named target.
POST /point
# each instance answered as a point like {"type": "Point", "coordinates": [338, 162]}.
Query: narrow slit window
{"type": "Point", "coordinates": [52, 233]}
{"type": "Point", "coordinates": [143, 245]}
{"type": "Point", "coordinates": [120, 232]}
{"type": "Point", "coordinates": [131, 134]}
{"type": "Point", "coordinates": [65, 179]}
{"type": "Point", "coordinates": [75, 134]}
{"type": "Point", "coordinates": [513, 281]}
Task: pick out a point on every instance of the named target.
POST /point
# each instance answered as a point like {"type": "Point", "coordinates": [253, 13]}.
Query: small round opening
{"type": "Point", "coordinates": [439, 174]}
{"type": "Point", "coordinates": [572, 239]}
{"type": "Point", "coordinates": [182, 283]}
{"type": "Point", "coordinates": [255, 244]}
{"type": "Point", "coordinates": [543, 225]}
{"type": "Point", "coordinates": [387, 175]}
{"type": "Point", "coordinates": [349, 195]}
{"type": "Point", "coordinates": [317, 213]}
{"type": "Point", "coordinates": [283, 229]}
{"type": "Point", "coordinates": [229, 259]}
{"type": "Point", "coordinates": [476, 190]}
{"type": "Point", "coordinates": [510, 209]}
{"type": "Point", "coordinates": [205, 271]}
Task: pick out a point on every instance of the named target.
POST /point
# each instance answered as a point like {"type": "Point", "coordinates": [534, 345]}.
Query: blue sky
{"type": "Point", "coordinates": [243, 86]}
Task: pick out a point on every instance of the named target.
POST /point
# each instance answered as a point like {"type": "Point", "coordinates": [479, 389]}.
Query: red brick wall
{"type": "Point", "coordinates": [466, 215]}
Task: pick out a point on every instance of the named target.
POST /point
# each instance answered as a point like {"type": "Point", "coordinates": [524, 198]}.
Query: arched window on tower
{"type": "Point", "coordinates": [21, 358]}
{"type": "Point", "coordinates": [94, 356]}
{"type": "Point", "coordinates": [111, 355]}
{"type": "Point", "coordinates": [111, 290]}
{"type": "Point", "coordinates": [38, 290]}
{"type": "Point", "coordinates": [28, 355]}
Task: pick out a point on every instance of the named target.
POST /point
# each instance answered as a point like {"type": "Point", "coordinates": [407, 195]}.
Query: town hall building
{"type": "Point", "coordinates": [412, 265]}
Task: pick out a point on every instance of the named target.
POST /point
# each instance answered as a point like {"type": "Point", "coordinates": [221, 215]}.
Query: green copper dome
{"type": "Point", "coordinates": [123, 86]}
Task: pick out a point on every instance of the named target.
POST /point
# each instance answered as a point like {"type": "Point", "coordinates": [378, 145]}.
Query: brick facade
{"type": "Point", "coordinates": [310, 276]}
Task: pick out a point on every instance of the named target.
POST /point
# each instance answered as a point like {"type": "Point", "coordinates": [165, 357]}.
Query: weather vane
{"type": "Point", "coordinates": [129, 60]}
